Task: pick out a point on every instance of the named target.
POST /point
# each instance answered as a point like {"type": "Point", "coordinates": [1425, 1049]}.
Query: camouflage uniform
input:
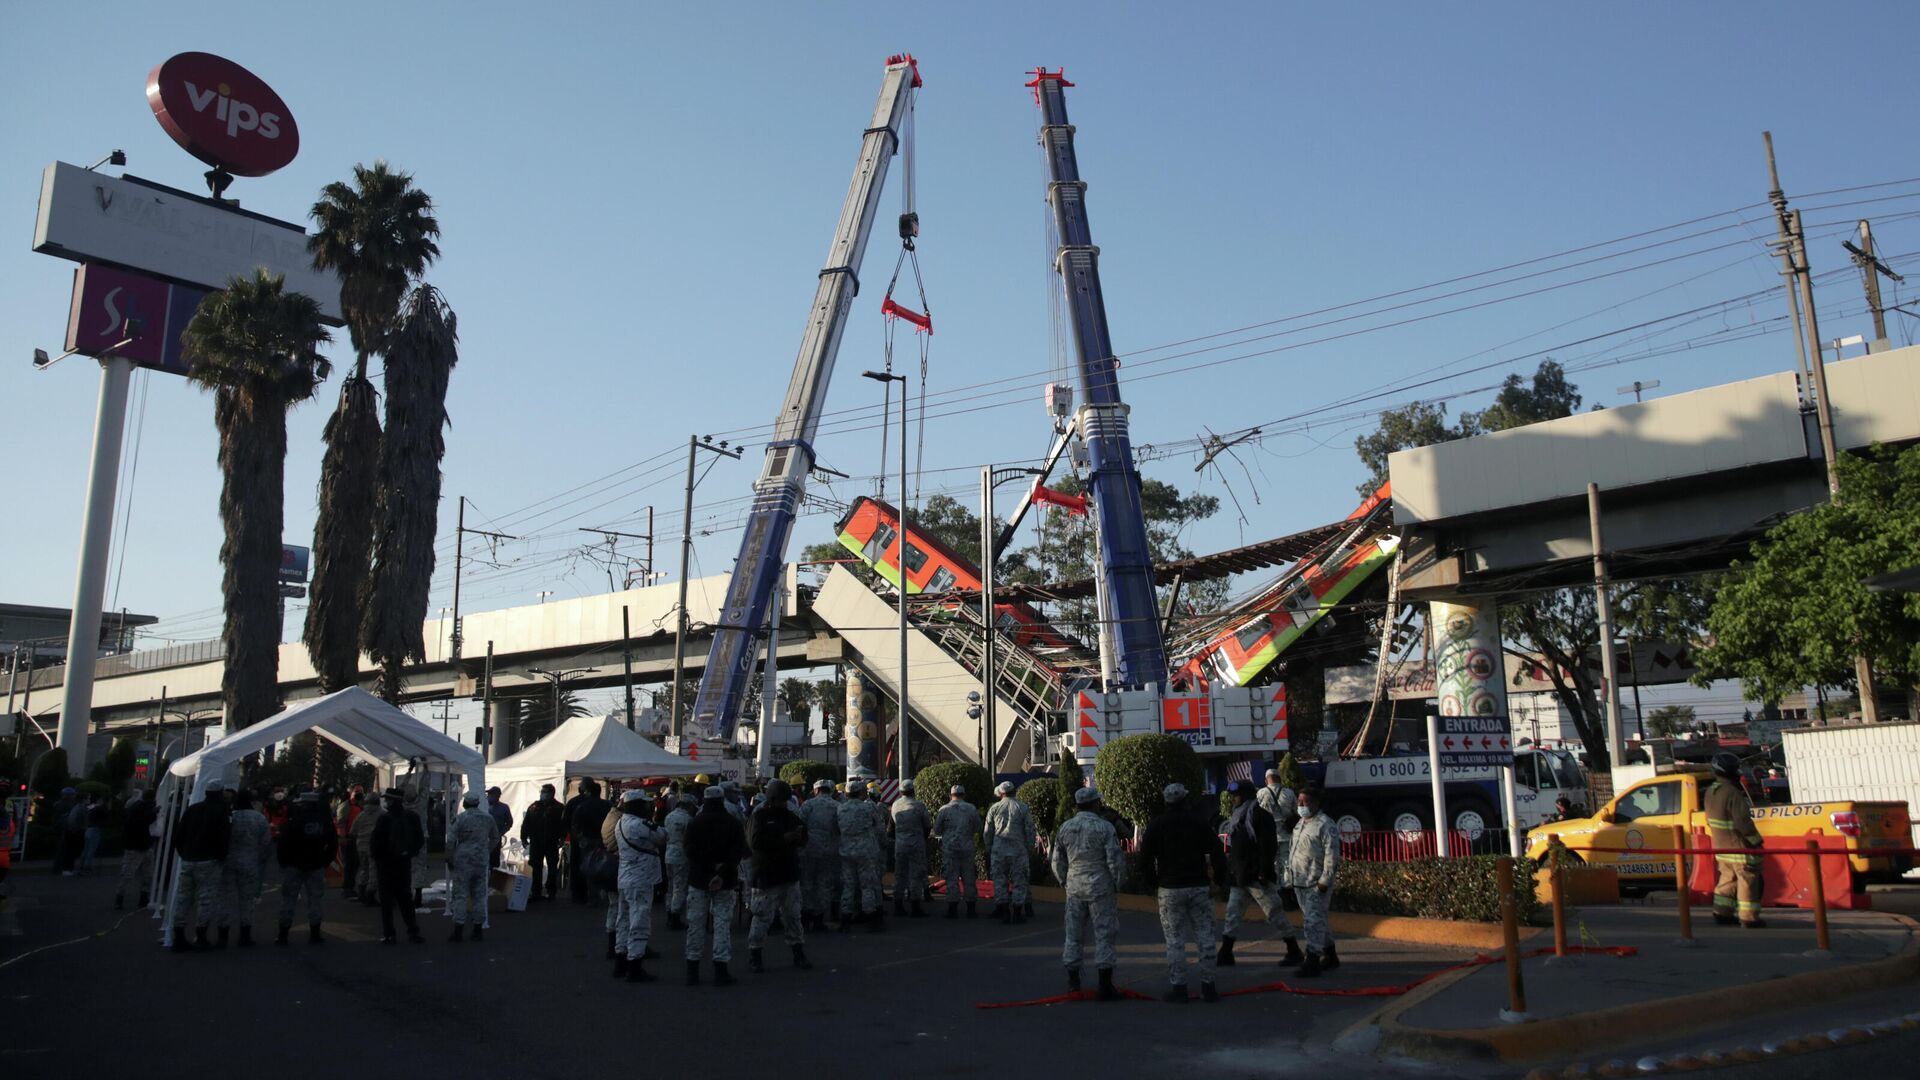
{"type": "Point", "coordinates": [1311, 862]}
{"type": "Point", "coordinates": [911, 824]}
{"type": "Point", "coordinates": [469, 846]}
{"type": "Point", "coordinates": [364, 884]}
{"type": "Point", "coordinates": [820, 862]}
{"type": "Point", "coordinates": [199, 889]}
{"type": "Point", "coordinates": [639, 843]}
{"type": "Point", "coordinates": [248, 843]}
{"type": "Point", "coordinates": [1186, 915]}
{"type": "Point", "coordinates": [711, 909]}
{"type": "Point", "coordinates": [676, 859]}
{"type": "Point", "coordinates": [860, 831]}
{"type": "Point", "coordinates": [1280, 803]}
{"type": "Point", "coordinates": [955, 827]}
{"type": "Point", "coordinates": [1087, 858]}
{"type": "Point", "coordinates": [1010, 842]}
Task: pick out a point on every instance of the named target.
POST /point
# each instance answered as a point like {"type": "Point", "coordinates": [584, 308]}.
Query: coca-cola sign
{"type": "Point", "coordinates": [223, 114]}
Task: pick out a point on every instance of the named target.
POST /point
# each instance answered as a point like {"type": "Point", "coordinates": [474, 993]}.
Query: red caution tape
{"type": "Point", "coordinates": [1342, 991]}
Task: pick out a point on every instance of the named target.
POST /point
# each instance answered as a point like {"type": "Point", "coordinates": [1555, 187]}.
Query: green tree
{"type": "Point", "coordinates": [257, 348]}
{"type": "Point", "coordinates": [1670, 721]}
{"type": "Point", "coordinates": [1797, 613]}
{"type": "Point", "coordinates": [1042, 796]}
{"type": "Point", "coordinates": [933, 782]}
{"type": "Point", "coordinates": [1133, 771]}
{"type": "Point", "coordinates": [798, 694]}
{"type": "Point", "coordinates": [377, 234]}
{"type": "Point", "coordinates": [539, 720]}
{"type": "Point", "coordinates": [1072, 779]}
{"type": "Point", "coordinates": [1419, 424]}
{"type": "Point", "coordinates": [421, 354]}
{"type": "Point", "coordinates": [801, 774]}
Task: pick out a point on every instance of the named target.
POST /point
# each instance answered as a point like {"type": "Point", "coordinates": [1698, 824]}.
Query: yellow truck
{"type": "Point", "coordinates": [1643, 816]}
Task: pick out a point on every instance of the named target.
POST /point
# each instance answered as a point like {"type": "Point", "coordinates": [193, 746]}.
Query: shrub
{"type": "Point", "coordinates": [1131, 772]}
{"type": "Point", "coordinates": [801, 774]}
{"type": "Point", "coordinates": [50, 774]}
{"type": "Point", "coordinates": [1042, 796]}
{"type": "Point", "coordinates": [934, 780]}
{"type": "Point", "coordinates": [1463, 888]}
{"type": "Point", "coordinates": [1072, 779]}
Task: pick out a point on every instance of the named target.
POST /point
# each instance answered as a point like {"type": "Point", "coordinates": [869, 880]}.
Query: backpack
{"type": "Point", "coordinates": [602, 869]}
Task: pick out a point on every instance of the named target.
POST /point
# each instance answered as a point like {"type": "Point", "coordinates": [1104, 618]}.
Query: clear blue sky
{"type": "Point", "coordinates": [636, 199]}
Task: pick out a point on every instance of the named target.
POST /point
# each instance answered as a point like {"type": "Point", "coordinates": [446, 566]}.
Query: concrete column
{"type": "Point", "coordinates": [1469, 674]}
{"type": "Point", "coordinates": [863, 729]}
{"type": "Point", "coordinates": [503, 719]}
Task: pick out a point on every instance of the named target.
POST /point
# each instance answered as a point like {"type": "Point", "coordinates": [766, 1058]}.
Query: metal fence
{"type": "Point", "coordinates": [1398, 845]}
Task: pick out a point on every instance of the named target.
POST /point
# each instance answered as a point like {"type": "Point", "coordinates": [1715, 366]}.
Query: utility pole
{"type": "Point", "coordinates": [626, 661]}
{"type": "Point", "coordinates": [1609, 667]}
{"type": "Point", "coordinates": [1779, 200]}
{"type": "Point", "coordinates": [613, 551]}
{"type": "Point", "coordinates": [488, 735]}
{"type": "Point", "coordinates": [559, 677]}
{"type": "Point", "coordinates": [1823, 411]}
{"type": "Point", "coordinates": [1870, 270]}
{"type": "Point", "coordinates": [695, 444]}
{"type": "Point", "coordinates": [460, 532]}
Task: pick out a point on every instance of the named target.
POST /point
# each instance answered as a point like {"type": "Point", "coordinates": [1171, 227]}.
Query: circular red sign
{"type": "Point", "coordinates": [223, 114]}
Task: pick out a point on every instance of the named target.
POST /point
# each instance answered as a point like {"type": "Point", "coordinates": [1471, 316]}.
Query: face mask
{"type": "Point", "coordinates": [1308, 811]}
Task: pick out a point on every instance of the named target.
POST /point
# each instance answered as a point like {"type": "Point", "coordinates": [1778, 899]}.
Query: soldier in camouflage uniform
{"type": "Point", "coordinates": [1088, 860]}
{"type": "Point", "coordinates": [306, 844]}
{"type": "Point", "coordinates": [249, 841]}
{"type": "Point", "coordinates": [860, 832]}
{"type": "Point", "coordinates": [955, 827]}
{"type": "Point", "coordinates": [1177, 852]}
{"type": "Point", "coordinates": [911, 824]}
{"type": "Point", "coordinates": [639, 845]}
{"type": "Point", "coordinates": [470, 844]}
{"type": "Point", "coordinates": [200, 840]}
{"type": "Point", "coordinates": [676, 861]}
{"type": "Point", "coordinates": [1310, 867]}
{"type": "Point", "coordinates": [820, 862]}
{"type": "Point", "coordinates": [1011, 838]}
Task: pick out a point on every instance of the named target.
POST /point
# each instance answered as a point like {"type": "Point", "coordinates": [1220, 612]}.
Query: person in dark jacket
{"type": "Point", "coordinates": [1252, 840]}
{"type": "Point", "coordinates": [583, 829]}
{"type": "Point", "coordinates": [778, 835]}
{"type": "Point", "coordinates": [1176, 852]}
{"type": "Point", "coordinates": [716, 843]}
{"type": "Point", "coordinates": [397, 838]}
{"type": "Point", "coordinates": [503, 824]}
{"type": "Point", "coordinates": [305, 848]}
{"type": "Point", "coordinates": [541, 827]}
{"type": "Point", "coordinates": [136, 847]}
{"type": "Point", "coordinates": [200, 840]}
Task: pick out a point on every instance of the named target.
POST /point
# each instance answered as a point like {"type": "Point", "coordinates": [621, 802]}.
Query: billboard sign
{"type": "Point", "coordinates": [106, 300]}
{"type": "Point", "coordinates": [293, 564]}
{"type": "Point", "coordinates": [146, 227]}
{"type": "Point", "coordinates": [1475, 742]}
{"type": "Point", "coordinates": [222, 114]}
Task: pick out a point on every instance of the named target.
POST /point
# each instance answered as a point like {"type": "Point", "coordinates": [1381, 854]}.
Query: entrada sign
{"type": "Point", "coordinates": [223, 114]}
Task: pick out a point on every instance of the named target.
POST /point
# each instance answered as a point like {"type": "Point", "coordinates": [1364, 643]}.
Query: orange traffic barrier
{"type": "Point", "coordinates": [1510, 923]}
{"type": "Point", "coordinates": [1559, 898]}
{"type": "Point", "coordinates": [1821, 940]}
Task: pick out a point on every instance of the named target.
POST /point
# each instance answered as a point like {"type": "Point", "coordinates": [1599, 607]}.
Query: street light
{"type": "Point", "coordinates": [900, 561]}
{"type": "Point", "coordinates": [559, 677]}
{"type": "Point", "coordinates": [984, 711]}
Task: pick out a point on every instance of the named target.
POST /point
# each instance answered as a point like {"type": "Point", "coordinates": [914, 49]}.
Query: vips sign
{"type": "Point", "coordinates": [223, 114]}
{"type": "Point", "coordinates": [112, 305]}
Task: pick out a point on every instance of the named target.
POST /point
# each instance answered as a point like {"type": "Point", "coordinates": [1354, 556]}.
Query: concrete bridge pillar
{"type": "Point", "coordinates": [503, 720]}
{"type": "Point", "coordinates": [1468, 668]}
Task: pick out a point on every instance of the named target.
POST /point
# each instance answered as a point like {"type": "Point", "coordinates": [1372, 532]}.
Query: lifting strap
{"type": "Point", "coordinates": [892, 312]}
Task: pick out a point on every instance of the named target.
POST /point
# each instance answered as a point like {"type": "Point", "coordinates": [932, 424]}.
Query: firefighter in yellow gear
{"type": "Point", "coordinates": [1736, 890]}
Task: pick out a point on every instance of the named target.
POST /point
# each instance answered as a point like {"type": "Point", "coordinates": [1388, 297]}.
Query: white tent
{"type": "Point", "coordinates": [395, 742]}
{"type": "Point", "coordinates": [596, 747]}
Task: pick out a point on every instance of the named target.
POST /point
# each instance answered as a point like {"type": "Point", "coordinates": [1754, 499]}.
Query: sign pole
{"type": "Point", "coordinates": [96, 529]}
{"type": "Point", "coordinates": [1510, 798]}
{"type": "Point", "coordinates": [1439, 787]}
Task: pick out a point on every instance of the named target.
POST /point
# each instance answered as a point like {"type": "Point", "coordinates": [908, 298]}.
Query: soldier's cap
{"type": "Point", "coordinates": [469, 799]}
{"type": "Point", "coordinates": [730, 786]}
{"type": "Point", "coordinates": [493, 790]}
{"type": "Point", "coordinates": [635, 795]}
{"type": "Point", "coordinates": [1005, 788]}
{"type": "Point", "coordinates": [687, 799]}
{"type": "Point", "coordinates": [393, 793]}
{"type": "Point", "coordinates": [956, 790]}
{"type": "Point", "coordinates": [1086, 796]}
{"type": "Point", "coordinates": [1174, 793]}
{"type": "Point", "coordinates": [215, 784]}
{"type": "Point", "coordinates": [823, 785]}
{"type": "Point", "coordinates": [714, 793]}
{"type": "Point", "coordinates": [906, 785]}
{"type": "Point", "coordinates": [1273, 774]}
{"type": "Point", "coordinates": [856, 786]}
{"type": "Point", "coordinates": [1241, 787]}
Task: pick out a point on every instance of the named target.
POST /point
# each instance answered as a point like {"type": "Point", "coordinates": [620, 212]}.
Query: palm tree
{"type": "Point", "coordinates": [420, 358]}
{"type": "Point", "coordinates": [377, 234]}
{"type": "Point", "coordinates": [256, 347]}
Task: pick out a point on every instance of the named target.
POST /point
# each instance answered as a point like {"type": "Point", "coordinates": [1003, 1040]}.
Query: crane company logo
{"type": "Point", "coordinates": [223, 114]}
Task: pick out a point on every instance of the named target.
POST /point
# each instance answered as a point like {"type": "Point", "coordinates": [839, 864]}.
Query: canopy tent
{"type": "Point", "coordinates": [395, 742]}
{"type": "Point", "coordinates": [598, 747]}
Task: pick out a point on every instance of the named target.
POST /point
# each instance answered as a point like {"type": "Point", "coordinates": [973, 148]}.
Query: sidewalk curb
{"type": "Point", "coordinates": [1603, 1028]}
{"type": "Point", "coordinates": [1443, 932]}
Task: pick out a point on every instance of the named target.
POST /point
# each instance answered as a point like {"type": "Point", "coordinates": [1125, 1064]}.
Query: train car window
{"type": "Point", "coordinates": [881, 542]}
{"type": "Point", "coordinates": [1005, 619]}
{"type": "Point", "coordinates": [1250, 635]}
{"type": "Point", "coordinates": [916, 559]}
{"type": "Point", "coordinates": [942, 580]}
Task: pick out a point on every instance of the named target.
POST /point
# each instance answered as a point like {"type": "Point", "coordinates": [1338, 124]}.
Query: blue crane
{"type": "Point", "coordinates": [1132, 652]}
{"type": "Point", "coordinates": [790, 458]}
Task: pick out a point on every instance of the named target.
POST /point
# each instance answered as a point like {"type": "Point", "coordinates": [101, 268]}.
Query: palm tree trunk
{"type": "Point", "coordinates": [253, 454]}
{"type": "Point", "coordinates": [343, 535]}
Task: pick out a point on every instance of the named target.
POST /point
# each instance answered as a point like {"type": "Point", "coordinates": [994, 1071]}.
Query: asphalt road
{"type": "Point", "coordinates": [537, 1000]}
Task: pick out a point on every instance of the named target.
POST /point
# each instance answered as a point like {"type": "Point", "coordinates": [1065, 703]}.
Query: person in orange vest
{"type": "Point", "coordinates": [1737, 889]}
